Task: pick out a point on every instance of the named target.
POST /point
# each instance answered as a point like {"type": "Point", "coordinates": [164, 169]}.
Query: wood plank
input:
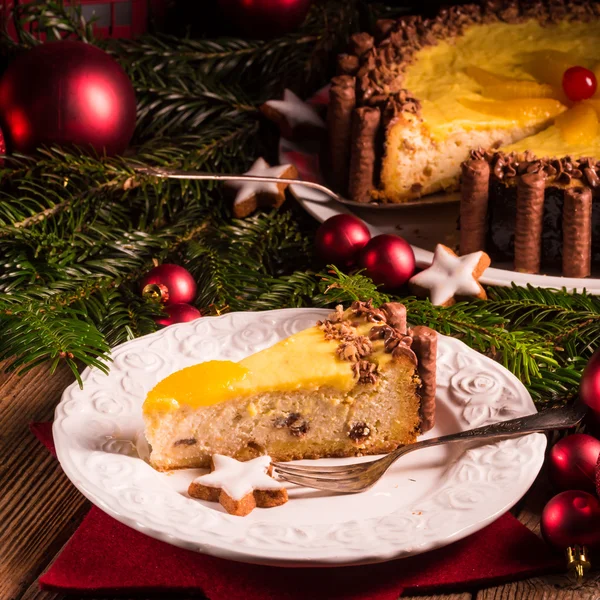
{"type": "Point", "coordinates": [548, 588]}
{"type": "Point", "coordinates": [40, 509]}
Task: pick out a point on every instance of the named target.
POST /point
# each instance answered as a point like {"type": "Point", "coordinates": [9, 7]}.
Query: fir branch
{"type": "Point", "coordinates": [49, 20]}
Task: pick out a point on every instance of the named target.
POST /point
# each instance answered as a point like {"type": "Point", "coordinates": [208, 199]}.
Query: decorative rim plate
{"type": "Point", "coordinates": [426, 500]}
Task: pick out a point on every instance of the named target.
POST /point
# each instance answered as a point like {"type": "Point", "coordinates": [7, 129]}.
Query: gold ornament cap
{"type": "Point", "coordinates": [156, 291]}
{"type": "Point", "coordinates": [577, 562]}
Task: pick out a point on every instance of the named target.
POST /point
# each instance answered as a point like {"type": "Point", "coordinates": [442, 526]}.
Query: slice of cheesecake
{"type": "Point", "coordinates": [357, 383]}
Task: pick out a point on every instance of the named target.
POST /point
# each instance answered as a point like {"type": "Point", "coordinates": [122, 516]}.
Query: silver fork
{"type": "Point", "coordinates": [361, 476]}
{"type": "Point", "coordinates": [201, 175]}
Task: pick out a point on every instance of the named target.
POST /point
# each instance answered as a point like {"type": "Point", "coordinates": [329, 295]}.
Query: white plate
{"type": "Point", "coordinates": [426, 500]}
{"type": "Point", "coordinates": [422, 225]}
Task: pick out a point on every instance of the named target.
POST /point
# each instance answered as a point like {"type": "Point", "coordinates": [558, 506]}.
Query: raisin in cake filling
{"type": "Point", "coordinates": [359, 382]}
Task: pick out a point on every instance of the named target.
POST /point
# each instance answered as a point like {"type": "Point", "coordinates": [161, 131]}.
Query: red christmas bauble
{"type": "Point", "coordinates": [265, 18]}
{"type": "Point", "coordinates": [589, 388]}
{"type": "Point", "coordinates": [572, 462]}
{"type": "Point", "coordinates": [388, 260]}
{"type": "Point", "coordinates": [340, 239]}
{"type": "Point", "coordinates": [570, 518]}
{"type": "Point", "coordinates": [171, 284]}
{"type": "Point", "coordinates": [179, 313]}
{"type": "Point", "coordinates": [67, 93]}
{"type": "Point", "coordinates": [579, 83]}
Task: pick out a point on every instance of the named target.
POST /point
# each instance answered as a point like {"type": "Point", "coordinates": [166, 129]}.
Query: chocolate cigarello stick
{"type": "Point", "coordinates": [528, 222]}
{"type": "Point", "coordinates": [474, 203]}
{"type": "Point", "coordinates": [342, 100]}
{"type": "Point", "coordinates": [365, 124]}
{"type": "Point", "coordinates": [577, 232]}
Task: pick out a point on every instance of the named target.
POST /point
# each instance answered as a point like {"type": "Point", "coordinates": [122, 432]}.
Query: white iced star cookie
{"type": "Point", "coordinates": [451, 276]}
{"type": "Point", "coordinates": [294, 117]}
{"type": "Point", "coordinates": [239, 486]}
{"type": "Point", "coordinates": [252, 195]}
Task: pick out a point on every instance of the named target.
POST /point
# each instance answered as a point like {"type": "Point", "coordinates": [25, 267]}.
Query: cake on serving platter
{"type": "Point", "coordinates": [474, 99]}
{"type": "Point", "coordinates": [360, 382]}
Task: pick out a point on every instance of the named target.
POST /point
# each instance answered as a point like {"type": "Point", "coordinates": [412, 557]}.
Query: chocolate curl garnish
{"type": "Point", "coordinates": [347, 64]}
{"type": "Point", "coordinates": [342, 100]}
{"type": "Point", "coordinates": [577, 232]}
{"type": "Point", "coordinates": [361, 43]}
{"type": "Point", "coordinates": [473, 205]}
{"type": "Point", "coordinates": [528, 223]}
{"type": "Point", "coordinates": [395, 314]}
{"type": "Point", "coordinates": [424, 346]}
{"type": "Point", "coordinates": [383, 27]}
{"type": "Point", "coordinates": [365, 123]}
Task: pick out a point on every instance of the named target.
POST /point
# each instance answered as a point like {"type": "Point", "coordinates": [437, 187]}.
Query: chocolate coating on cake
{"type": "Point", "coordinates": [577, 232]}
{"type": "Point", "coordinates": [474, 205]}
{"type": "Point", "coordinates": [342, 100]}
{"type": "Point", "coordinates": [529, 221]}
{"type": "Point", "coordinates": [425, 347]}
{"type": "Point", "coordinates": [365, 125]}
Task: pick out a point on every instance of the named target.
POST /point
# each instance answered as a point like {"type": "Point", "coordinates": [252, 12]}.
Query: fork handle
{"type": "Point", "coordinates": [202, 175]}
{"type": "Point", "coordinates": [551, 419]}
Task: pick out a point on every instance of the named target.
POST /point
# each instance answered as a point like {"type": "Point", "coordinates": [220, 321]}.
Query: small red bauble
{"type": "Point", "coordinates": [572, 518]}
{"type": "Point", "coordinates": [572, 462]}
{"type": "Point", "coordinates": [388, 260]}
{"type": "Point", "coordinates": [179, 313]}
{"type": "Point", "coordinates": [265, 18]}
{"type": "Point", "coordinates": [340, 238]}
{"type": "Point", "coordinates": [67, 93]}
{"type": "Point", "coordinates": [579, 83]}
{"type": "Point", "coordinates": [589, 388]}
{"type": "Point", "coordinates": [171, 284]}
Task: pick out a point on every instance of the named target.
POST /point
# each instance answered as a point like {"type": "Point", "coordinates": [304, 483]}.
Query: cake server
{"type": "Point", "coordinates": [360, 477]}
{"type": "Point", "coordinates": [329, 193]}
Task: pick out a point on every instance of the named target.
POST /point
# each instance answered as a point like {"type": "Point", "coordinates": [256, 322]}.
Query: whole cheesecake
{"type": "Point", "coordinates": [473, 100]}
{"type": "Point", "coordinates": [360, 382]}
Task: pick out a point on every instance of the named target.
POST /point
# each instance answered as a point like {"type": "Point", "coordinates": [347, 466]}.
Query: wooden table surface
{"type": "Point", "coordinates": [40, 509]}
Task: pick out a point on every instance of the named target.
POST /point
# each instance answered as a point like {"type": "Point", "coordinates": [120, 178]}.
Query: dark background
{"type": "Point", "coordinates": [203, 18]}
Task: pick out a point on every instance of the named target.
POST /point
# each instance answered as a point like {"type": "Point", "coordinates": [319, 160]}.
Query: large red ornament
{"type": "Point", "coordinates": [572, 462]}
{"type": "Point", "coordinates": [572, 518]}
{"type": "Point", "coordinates": [265, 18]}
{"type": "Point", "coordinates": [67, 93]}
{"type": "Point", "coordinates": [589, 388]}
{"type": "Point", "coordinates": [388, 260]}
{"type": "Point", "coordinates": [171, 284]}
{"type": "Point", "coordinates": [179, 313]}
{"type": "Point", "coordinates": [340, 239]}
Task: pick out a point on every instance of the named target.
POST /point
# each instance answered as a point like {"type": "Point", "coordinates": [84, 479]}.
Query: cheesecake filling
{"type": "Point", "coordinates": [305, 360]}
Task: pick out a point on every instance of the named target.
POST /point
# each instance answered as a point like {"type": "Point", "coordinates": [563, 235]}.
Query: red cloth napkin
{"type": "Point", "coordinates": [105, 557]}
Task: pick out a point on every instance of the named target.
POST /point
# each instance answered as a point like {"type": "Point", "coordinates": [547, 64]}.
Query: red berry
{"type": "Point", "coordinates": [579, 83]}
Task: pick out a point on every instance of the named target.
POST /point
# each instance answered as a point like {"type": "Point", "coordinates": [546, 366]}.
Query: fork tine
{"type": "Point", "coordinates": [318, 477]}
{"type": "Point", "coordinates": [341, 474]}
{"type": "Point", "coordinates": [344, 487]}
{"type": "Point", "coordinates": [302, 469]}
